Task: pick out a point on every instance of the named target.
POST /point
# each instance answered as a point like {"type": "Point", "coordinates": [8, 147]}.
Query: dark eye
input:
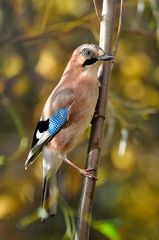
{"type": "Point", "coordinates": [86, 52]}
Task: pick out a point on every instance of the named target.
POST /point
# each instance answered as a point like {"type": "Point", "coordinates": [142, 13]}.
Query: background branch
{"type": "Point", "coordinates": [96, 10]}
{"type": "Point", "coordinates": [86, 202]}
{"type": "Point", "coordinates": [119, 27]}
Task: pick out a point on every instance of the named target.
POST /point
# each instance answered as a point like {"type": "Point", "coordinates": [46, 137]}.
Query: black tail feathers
{"type": "Point", "coordinates": [49, 196]}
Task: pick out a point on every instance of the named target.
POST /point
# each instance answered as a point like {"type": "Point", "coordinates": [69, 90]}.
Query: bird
{"type": "Point", "coordinates": [66, 115]}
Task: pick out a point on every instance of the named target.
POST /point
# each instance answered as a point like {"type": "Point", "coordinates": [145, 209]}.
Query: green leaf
{"type": "Point", "coordinates": [107, 229]}
{"type": "Point", "coordinates": [2, 160]}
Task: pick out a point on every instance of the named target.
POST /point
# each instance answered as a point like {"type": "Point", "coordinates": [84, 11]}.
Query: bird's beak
{"type": "Point", "coordinates": [105, 57]}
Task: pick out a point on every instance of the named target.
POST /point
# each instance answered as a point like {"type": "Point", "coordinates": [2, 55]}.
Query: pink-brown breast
{"type": "Point", "coordinates": [86, 94]}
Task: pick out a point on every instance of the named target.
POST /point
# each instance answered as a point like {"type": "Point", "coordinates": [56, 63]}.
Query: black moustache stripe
{"type": "Point", "coordinates": [89, 62]}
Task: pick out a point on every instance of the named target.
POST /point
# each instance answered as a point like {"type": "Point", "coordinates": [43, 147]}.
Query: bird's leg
{"type": "Point", "coordinates": [84, 172]}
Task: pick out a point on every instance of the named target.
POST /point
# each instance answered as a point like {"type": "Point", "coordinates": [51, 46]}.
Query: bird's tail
{"type": "Point", "coordinates": [51, 163]}
{"type": "Point", "coordinates": [50, 196]}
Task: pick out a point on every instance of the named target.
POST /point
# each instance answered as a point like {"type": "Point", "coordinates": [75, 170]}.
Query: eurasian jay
{"type": "Point", "coordinates": [66, 115]}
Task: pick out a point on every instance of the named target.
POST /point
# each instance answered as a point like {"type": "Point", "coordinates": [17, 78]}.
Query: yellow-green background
{"type": "Point", "coordinates": [36, 41]}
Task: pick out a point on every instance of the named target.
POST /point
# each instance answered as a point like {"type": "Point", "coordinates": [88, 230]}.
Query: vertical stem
{"type": "Point", "coordinates": [86, 201]}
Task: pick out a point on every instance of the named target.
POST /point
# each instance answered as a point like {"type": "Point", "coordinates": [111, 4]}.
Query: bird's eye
{"type": "Point", "coordinates": [86, 52]}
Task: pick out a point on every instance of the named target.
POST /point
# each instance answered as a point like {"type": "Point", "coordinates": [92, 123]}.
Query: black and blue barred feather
{"type": "Point", "coordinates": [47, 130]}
{"type": "Point", "coordinates": [57, 120]}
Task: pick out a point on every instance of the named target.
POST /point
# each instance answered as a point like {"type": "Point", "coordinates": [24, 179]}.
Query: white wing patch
{"type": "Point", "coordinates": [38, 134]}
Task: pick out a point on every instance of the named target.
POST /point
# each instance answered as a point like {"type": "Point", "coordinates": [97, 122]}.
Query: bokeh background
{"type": "Point", "coordinates": [36, 41]}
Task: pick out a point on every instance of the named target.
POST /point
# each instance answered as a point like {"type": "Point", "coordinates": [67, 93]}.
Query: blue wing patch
{"type": "Point", "coordinates": [58, 120]}
{"type": "Point", "coordinates": [48, 129]}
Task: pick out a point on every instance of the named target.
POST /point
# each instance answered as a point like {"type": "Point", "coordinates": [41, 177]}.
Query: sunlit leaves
{"type": "Point", "coordinates": [135, 65]}
{"type": "Point", "coordinates": [125, 160]}
{"type": "Point", "coordinates": [143, 203]}
{"type": "Point", "coordinates": [8, 206]}
{"type": "Point", "coordinates": [12, 66]}
{"type": "Point", "coordinates": [32, 218]}
{"type": "Point", "coordinates": [21, 87]}
{"type": "Point", "coordinates": [107, 229]}
{"type": "Point", "coordinates": [2, 160]}
{"type": "Point", "coordinates": [72, 7]}
{"type": "Point", "coordinates": [134, 90]}
{"type": "Point", "coordinates": [27, 192]}
{"type": "Point", "coordinates": [47, 65]}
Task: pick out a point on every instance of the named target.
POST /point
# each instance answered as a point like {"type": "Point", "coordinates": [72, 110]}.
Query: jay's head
{"type": "Point", "coordinates": [87, 55]}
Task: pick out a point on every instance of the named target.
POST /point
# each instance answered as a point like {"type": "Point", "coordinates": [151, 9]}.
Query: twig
{"type": "Point", "coordinates": [17, 39]}
{"type": "Point", "coordinates": [86, 201]}
{"type": "Point", "coordinates": [54, 30]}
{"type": "Point", "coordinates": [96, 10]}
{"type": "Point", "coordinates": [60, 30]}
{"type": "Point", "coordinates": [119, 27]}
{"type": "Point", "coordinates": [139, 32]}
{"type": "Point", "coordinates": [46, 16]}
{"type": "Point", "coordinates": [155, 12]}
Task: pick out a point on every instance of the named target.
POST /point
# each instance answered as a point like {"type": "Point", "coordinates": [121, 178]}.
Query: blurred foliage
{"type": "Point", "coordinates": [37, 39]}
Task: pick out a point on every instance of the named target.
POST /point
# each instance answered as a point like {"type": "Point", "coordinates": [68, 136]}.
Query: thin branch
{"type": "Point", "coordinates": [154, 7]}
{"type": "Point", "coordinates": [96, 10]}
{"type": "Point", "coordinates": [60, 30]}
{"type": "Point", "coordinates": [46, 15]}
{"type": "Point", "coordinates": [54, 30]}
{"type": "Point", "coordinates": [119, 27]}
{"type": "Point", "coordinates": [97, 130]}
{"type": "Point", "coordinates": [18, 39]}
{"type": "Point", "coordinates": [138, 32]}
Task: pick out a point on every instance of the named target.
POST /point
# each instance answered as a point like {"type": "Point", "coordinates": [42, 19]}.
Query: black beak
{"type": "Point", "coordinates": [105, 57]}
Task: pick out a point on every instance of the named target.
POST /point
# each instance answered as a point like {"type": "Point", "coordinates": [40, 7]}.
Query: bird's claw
{"type": "Point", "coordinates": [88, 173]}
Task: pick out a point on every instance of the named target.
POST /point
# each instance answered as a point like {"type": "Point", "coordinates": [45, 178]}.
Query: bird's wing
{"type": "Point", "coordinates": [60, 106]}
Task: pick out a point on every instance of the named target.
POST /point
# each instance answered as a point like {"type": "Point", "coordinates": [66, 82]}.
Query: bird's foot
{"type": "Point", "coordinates": [85, 172]}
{"type": "Point", "coordinates": [88, 173]}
